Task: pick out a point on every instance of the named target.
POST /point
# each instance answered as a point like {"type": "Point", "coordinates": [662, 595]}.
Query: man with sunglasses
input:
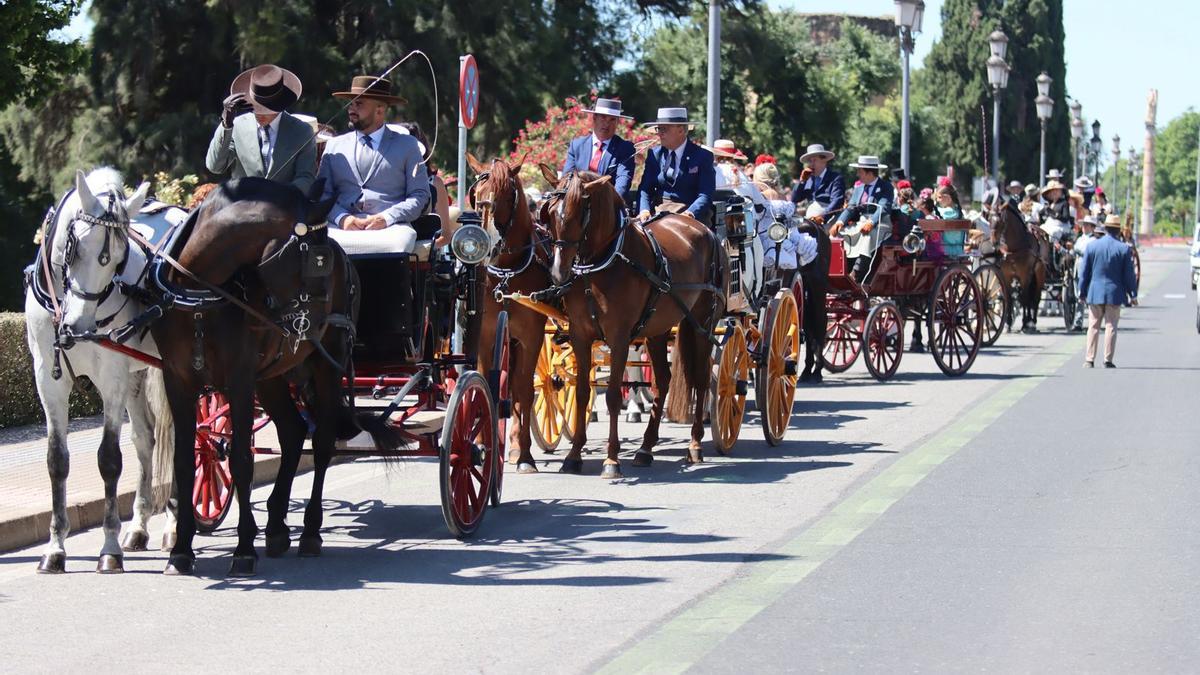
{"type": "Point", "coordinates": [679, 176]}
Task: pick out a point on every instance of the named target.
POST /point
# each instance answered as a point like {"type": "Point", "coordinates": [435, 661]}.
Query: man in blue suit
{"type": "Point", "coordinates": [818, 183]}
{"type": "Point", "coordinates": [864, 226]}
{"type": "Point", "coordinates": [1107, 281]}
{"type": "Point", "coordinates": [679, 176]}
{"type": "Point", "coordinates": [376, 175]}
{"type": "Point", "coordinates": [603, 151]}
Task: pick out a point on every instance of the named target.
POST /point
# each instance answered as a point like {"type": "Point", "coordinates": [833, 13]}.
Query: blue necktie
{"type": "Point", "coordinates": [366, 156]}
{"type": "Point", "coordinates": [670, 172]}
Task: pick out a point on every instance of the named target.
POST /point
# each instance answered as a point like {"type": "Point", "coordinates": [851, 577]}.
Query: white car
{"type": "Point", "coordinates": [1196, 256]}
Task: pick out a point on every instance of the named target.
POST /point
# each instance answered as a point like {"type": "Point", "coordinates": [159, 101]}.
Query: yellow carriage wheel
{"type": "Point", "coordinates": [554, 393]}
{"type": "Point", "coordinates": [728, 401]}
{"type": "Point", "coordinates": [775, 377]}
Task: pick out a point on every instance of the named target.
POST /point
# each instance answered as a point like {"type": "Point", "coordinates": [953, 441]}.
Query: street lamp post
{"type": "Point", "coordinates": [1116, 151]}
{"type": "Point", "coordinates": [997, 72]}
{"type": "Point", "coordinates": [909, 14]}
{"type": "Point", "coordinates": [1076, 134]}
{"type": "Point", "coordinates": [1129, 188]}
{"type": "Point", "coordinates": [714, 71]}
{"type": "Point", "coordinates": [1097, 145]}
{"type": "Point", "coordinates": [1045, 108]}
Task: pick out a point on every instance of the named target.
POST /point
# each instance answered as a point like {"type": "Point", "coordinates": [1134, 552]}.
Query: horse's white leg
{"type": "Point", "coordinates": [141, 420]}
{"type": "Point", "coordinates": [113, 392]}
{"type": "Point", "coordinates": [54, 396]}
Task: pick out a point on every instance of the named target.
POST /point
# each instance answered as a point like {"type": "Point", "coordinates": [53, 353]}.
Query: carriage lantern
{"type": "Point", "coordinates": [777, 232]}
{"type": "Point", "coordinates": [470, 243]}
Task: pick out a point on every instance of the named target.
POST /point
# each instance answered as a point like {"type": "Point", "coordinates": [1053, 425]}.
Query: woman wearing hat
{"type": "Point", "coordinates": [270, 143]}
{"type": "Point", "coordinates": [819, 183]}
{"type": "Point", "coordinates": [603, 151]}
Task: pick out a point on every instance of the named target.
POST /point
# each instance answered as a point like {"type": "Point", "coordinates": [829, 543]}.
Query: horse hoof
{"type": "Point", "coordinates": [526, 467]}
{"type": "Point", "coordinates": [611, 471]}
{"type": "Point", "coordinates": [310, 547]}
{"type": "Point", "coordinates": [180, 566]}
{"type": "Point", "coordinates": [643, 458]}
{"type": "Point", "coordinates": [695, 457]}
{"type": "Point", "coordinates": [168, 541]}
{"type": "Point", "coordinates": [514, 457]}
{"type": "Point", "coordinates": [53, 563]}
{"type": "Point", "coordinates": [243, 566]}
{"type": "Point", "coordinates": [574, 466]}
{"type": "Point", "coordinates": [135, 541]}
{"type": "Point", "coordinates": [278, 544]}
{"type": "Point", "coordinates": [110, 564]}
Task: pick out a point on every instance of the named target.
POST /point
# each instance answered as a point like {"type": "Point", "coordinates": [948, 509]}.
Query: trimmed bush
{"type": "Point", "coordinates": [19, 404]}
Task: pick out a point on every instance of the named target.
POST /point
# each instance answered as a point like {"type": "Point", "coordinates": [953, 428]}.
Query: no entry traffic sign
{"type": "Point", "coordinates": [468, 91]}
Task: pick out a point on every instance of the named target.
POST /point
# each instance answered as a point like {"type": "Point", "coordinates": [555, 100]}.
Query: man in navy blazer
{"type": "Point", "coordinates": [1107, 281]}
{"type": "Point", "coordinates": [603, 151]}
{"type": "Point", "coordinates": [866, 231]}
{"type": "Point", "coordinates": [679, 176]}
{"type": "Point", "coordinates": [376, 175]}
{"type": "Point", "coordinates": [818, 183]}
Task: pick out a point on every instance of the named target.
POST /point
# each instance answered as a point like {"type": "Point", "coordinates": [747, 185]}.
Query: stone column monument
{"type": "Point", "coordinates": [1147, 225]}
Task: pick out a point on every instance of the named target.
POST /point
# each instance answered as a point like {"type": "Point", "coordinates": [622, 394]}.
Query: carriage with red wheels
{"type": "Point", "coordinates": [405, 368]}
{"type": "Point", "coordinates": [925, 279]}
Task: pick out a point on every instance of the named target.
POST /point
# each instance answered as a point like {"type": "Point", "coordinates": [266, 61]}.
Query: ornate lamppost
{"type": "Point", "coordinates": [1076, 133]}
{"type": "Point", "coordinates": [997, 72]}
{"type": "Point", "coordinates": [1045, 108]}
{"type": "Point", "coordinates": [909, 14]}
{"type": "Point", "coordinates": [1097, 145]}
{"type": "Point", "coordinates": [1116, 151]}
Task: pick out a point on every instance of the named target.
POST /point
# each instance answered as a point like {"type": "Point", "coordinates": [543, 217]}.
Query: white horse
{"type": "Point", "coordinates": [75, 290]}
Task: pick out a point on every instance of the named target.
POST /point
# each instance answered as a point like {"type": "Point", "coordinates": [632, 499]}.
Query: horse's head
{"type": "Point", "coordinates": [499, 197]}
{"type": "Point", "coordinates": [580, 212]}
{"type": "Point", "coordinates": [92, 245]}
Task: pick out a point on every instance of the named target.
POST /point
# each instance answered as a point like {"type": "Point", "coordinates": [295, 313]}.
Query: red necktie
{"type": "Point", "coordinates": [594, 165]}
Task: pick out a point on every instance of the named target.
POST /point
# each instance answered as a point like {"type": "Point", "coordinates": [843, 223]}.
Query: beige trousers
{"type": "Point", "coordinates": [1110, 315]}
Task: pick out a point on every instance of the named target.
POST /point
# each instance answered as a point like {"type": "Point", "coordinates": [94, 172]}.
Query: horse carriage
{"type": "Point", "coordinates": [255, 316]}
{"type": "Point", "coordinates": [926, 279]}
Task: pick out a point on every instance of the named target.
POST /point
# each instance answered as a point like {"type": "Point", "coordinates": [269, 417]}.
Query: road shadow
{"type": "Point", "coordinates": [999, 377]}
{"type": "Point", "coordinates": [372, 542]}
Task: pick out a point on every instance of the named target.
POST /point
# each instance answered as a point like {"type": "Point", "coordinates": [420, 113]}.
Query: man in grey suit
{"type": "Point", "coordinates": [269, 143]}
{"type": "Point", "coordinates": [1107, 281]}
{"type": "Point", "coordinates": [376, 175]}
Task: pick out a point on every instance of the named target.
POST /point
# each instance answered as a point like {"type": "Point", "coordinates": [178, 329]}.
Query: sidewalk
{"type": "Point", "coordinates": [25, 485]}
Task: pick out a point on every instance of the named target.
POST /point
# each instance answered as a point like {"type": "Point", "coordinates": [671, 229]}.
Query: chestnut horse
{"type": "Point", "coordinates": [1022, 259]}
{"type": "Point", "coordinates": [622, 281]}
{"type": "Point", "coordinates": [518, 264]}
{"type": "Point", "coordinates": [291, 324]}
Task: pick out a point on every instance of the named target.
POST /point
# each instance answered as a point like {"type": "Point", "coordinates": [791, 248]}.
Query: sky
{"type": "Point", "coordinates": [1116, 52]}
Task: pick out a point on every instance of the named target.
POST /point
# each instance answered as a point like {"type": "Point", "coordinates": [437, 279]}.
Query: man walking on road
{"type": "Point", "coordinates": [1106, 281]}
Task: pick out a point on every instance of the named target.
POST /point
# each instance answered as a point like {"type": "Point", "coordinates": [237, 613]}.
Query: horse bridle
{"type": "Point", "coordinates": [585, 218]}
{"type": "Point", "coordinates": [109, 221]}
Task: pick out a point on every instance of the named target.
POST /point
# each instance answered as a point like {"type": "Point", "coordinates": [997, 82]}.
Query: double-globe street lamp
{"type": "Point", "coordinates": [1116, 187]}
{"type": "Point", "coordinates": [909, 14]}
{"type": "Point", "coordinates": [997, 72]}
{"type": "Point", "coordinates": [1076, 134]}
{"type": "Point", "coordinates": [1045, 108]}
{"type": "Point", "coordinates": [1097, 145]}
{"type": "Point", "coordinates": [1129, 164]}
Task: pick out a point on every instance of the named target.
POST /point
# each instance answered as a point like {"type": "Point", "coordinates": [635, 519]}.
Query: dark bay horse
{"type": "Point", "coordinates": [815, 276]}
{"type": "Point", "coordinates": [248, 239]}
{"type": "Point", "coordinates": [617, 290]}
{"type": "Point", "coordinates": [1023, 258]}
{"type": "Point", "coordinates": [518, 264]}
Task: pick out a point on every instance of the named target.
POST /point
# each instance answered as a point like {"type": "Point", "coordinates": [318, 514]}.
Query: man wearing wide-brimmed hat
{"type": "Point", "coordinates": [819, 183]}
{"type": "Point", "coordinates": [377, 176]}
{"type": "Point", "coordinates": [1106, 282]}
{"type": "Point", "coordinates": [864, 226]}
{"type": "Point", "coordinates": [270, 143]}
{"type": "Point", "coordinates": [679, 175]}
{"type": "Point", "coordinates": [603, 151]}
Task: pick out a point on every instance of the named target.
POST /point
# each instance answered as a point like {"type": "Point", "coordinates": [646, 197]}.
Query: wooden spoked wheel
{"type": "Point", "coordinates": [498, 386]}
{"type": "Point", "coordinates": [212, 492]}
{"type": "Point", "coordinates": [727, 404]}
{"type": "Point", "coordinates": [468, 455]}
{"type": "Point", "coordinates": [1070, 301]}
{"type": "Point", "coordinates": [883, 341]}
{"type": "Point", "coordinates": [995, 301]}
{"type": "Point", "coordinates": [955, 320]}
{"type": "Point", "coordinates": [775, 377]}
{"type": "Point", "coordinates": [1137, 265]}
{"type": "Point", "coordinates": [554, 391]}
{"type": "Point", "coordinates": [843, 333]}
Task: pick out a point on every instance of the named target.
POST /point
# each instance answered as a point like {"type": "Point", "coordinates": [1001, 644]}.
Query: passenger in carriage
{"type": "Point", "coordinates": [947, 200]}
{"type": "Point", "coordinates": [376, 176]}
{"type": "Point", "coordinates": [270, 143]}
{"type": "Point", "coordinates": [679, 175]}
{"type": "Point", "coordinates": [819, 183]}
{"type": "Point", "coordinates": [874, 226]}
{"type": "Point", "coordinates": [729, 176]}
{"type": "Point", "coordinates": [439, 193]}
{"type": "Point", "coordinates": [798, 249]}
{"type": "Point", "coordinates": [603, 151]}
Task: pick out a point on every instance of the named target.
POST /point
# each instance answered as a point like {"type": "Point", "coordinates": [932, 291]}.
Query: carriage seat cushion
{"type": "Point", "coordinates": [395, 239]}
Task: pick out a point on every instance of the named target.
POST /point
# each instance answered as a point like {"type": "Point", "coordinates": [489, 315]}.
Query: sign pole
{"type": "Point", "coordinates": [462, 146]}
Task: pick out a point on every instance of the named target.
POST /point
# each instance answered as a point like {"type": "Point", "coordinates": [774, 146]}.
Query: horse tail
{"type": "Point", "coordinates": [679, 398]}
{"type": "Point", "coordinates": [163, 466]}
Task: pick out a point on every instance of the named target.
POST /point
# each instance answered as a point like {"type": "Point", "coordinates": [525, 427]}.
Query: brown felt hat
{"type": "Point", "coordinates": [369, 86]}
{"type": "Point", "coordinates": [268, 88]}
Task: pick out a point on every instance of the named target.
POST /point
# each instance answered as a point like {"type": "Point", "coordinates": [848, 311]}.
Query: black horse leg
{"type": "Point", "coordinates": [183, 412]}
{"type": "Point", "coordinates": [241, 465]}
{"type": "Point", "coordinates": [326, 400]}
{"type": "Point", "coordinates": [276, 399]}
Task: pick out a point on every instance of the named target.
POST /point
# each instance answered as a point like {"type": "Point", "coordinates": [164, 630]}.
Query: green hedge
{"type": "Point", "coordinates": [19, 402]}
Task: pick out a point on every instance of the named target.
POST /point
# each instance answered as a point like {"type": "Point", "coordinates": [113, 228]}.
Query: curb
{"type": "Point", "coordinates": [35, 528]}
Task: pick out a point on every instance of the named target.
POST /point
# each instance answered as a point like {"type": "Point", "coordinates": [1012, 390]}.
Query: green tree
{"type": "Point", "coordinates": [32, 59]}
{"type": "Point", "coordinates": [1175, 175]}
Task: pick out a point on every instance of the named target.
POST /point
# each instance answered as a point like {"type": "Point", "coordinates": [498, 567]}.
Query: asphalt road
{"type": "Point", "coordinates": [1031, 516]}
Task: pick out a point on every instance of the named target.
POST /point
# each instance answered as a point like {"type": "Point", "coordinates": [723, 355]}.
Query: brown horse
{"type": "Point", "coordinates": [518, 264]}
{"type": "Point", "coordinates": [623, 282]}
{"type": "Point", "coordinates": [1021, 259]}
{"type": "Point", "coordinates": [245, 239]}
